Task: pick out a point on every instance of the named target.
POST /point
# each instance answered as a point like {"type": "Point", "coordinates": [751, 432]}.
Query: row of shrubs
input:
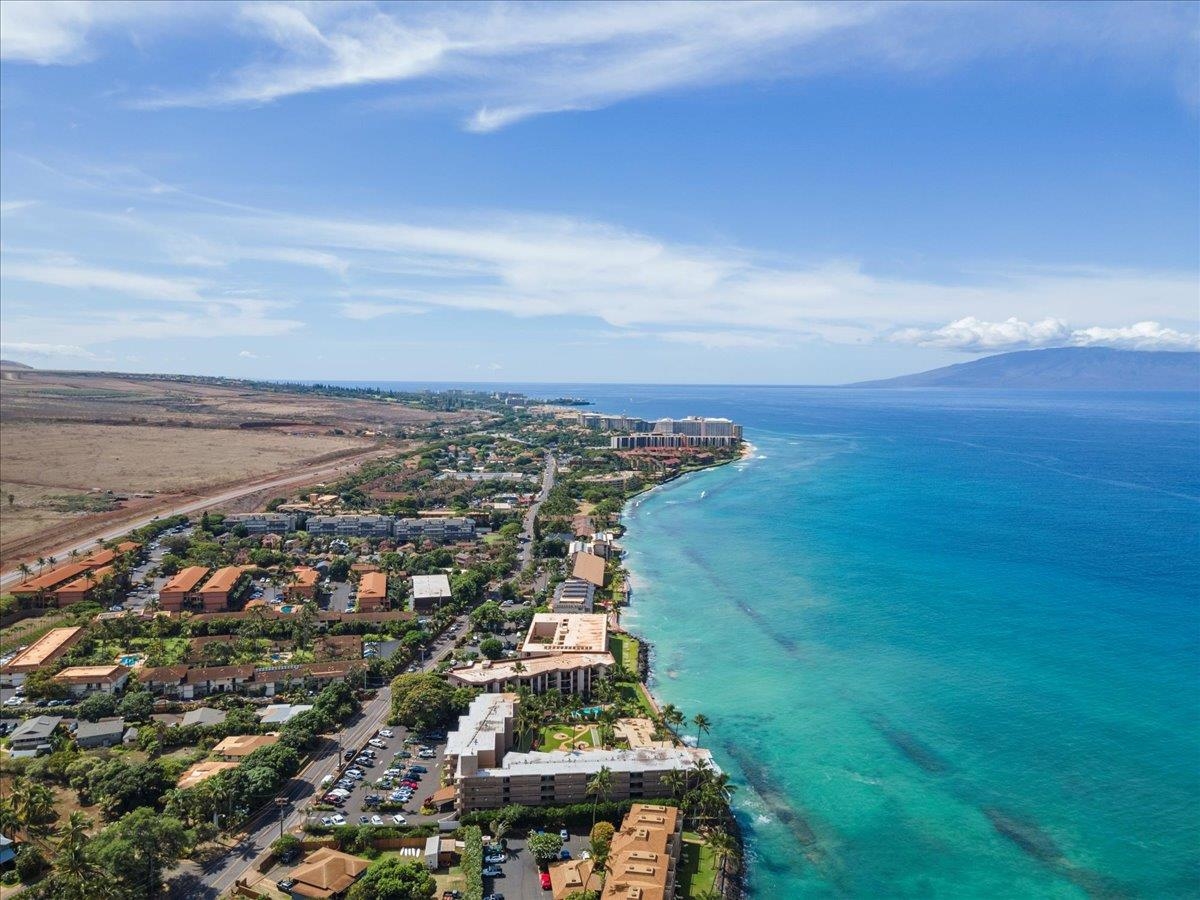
{"type": "Point", "coordinates": [541, 816]}
{"type": "Point", "coordinates": [472, 862]}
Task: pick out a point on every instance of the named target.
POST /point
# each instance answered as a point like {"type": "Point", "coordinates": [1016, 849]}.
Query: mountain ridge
{"type": "Point", "coordinates": [1062, 368]}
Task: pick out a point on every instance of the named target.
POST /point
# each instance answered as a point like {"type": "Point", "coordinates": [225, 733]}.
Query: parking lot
{"type": "Point", "coordinates": [520, 876]}
{"type": "Point", "coordinates": [386, 757]}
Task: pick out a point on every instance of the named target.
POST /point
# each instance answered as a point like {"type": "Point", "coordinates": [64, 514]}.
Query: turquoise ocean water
{"type": "Point", "coordinates": [950, 642]}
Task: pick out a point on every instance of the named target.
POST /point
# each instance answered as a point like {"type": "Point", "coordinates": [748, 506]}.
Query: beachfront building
{"type": "Point", "coordinates": [84, 680]}
{"type": "Point", "coordinates": [263, 523]}
{"type": "Point", "coordinates": [590, 568]}
{"type": "Point", "coordinates": [43, 652]}
{"type": "Point", "coordinates": [574, 596]}
{"type": "Point", "coordinates": [372, 592]}
{"type": "Point", "coordinates": [429, 592]}
{"type": "Point", "coordinates": [439, 530]}
{"type": "Point", "coordinates": [364, 526]}
{"type": "Point", "coordinates": [180, 592]}
{"type": "Point", "coordinates": [644, 854]}
{"type": "Point", "coordinates": [488, 774]}
{"type": "Point", "coordinates": [565, 673]}
{"type": "Point", "coordinates": [551, 633]}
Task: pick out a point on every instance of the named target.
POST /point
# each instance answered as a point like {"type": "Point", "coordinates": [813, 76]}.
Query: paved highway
{"type": "Point", "coordinates": [191, 506]}
{"type": "Point", "coordinates": [530, 514]}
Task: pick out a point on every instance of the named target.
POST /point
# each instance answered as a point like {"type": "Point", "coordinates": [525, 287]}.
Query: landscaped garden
{"type": "Point", "coordinates": [697, 867]}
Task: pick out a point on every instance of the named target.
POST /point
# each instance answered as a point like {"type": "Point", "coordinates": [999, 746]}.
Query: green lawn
{"type": "Point", "coordinates": [625, 651]}
{"type": "Point", "coordinates": [697, 868]}
{"type": "Point", "coordinates": [550, 742]}
{"type": "Point", "coordinates": [636, 693]}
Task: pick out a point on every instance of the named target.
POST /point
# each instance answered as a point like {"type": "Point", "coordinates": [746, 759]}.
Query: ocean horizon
{"type": "Point", "coordinates": [948, 639]}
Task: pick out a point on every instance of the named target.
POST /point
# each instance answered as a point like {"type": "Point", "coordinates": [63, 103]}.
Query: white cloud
{"type": "Point", "coordinates": [23, 348]}
{"type": "Point", "coordinates": [10, 207]}
{"type": "Point", "coordinates": [246, 354]}
{"type": "Point", "coordinates": [132, 284]}
{"type": "Point", "coordinates": [975, 336]}
{"type": "Point", "coordinates": [501, 63]}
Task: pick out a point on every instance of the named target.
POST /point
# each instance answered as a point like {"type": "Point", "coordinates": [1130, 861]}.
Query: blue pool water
{"type": "Point", "coordinates": [286, 609]}
{"type": "Point", "coordinates": [129, 660]}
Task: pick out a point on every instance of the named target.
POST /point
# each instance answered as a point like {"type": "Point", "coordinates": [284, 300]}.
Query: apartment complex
{"type": "Point", "coordinates": [304, 587]}
{"type": "Point", "coordinates": [181, 591]}
{"type": "Point", "coordinates": [364, 526]}
{"type": "Point", "coordinates": [429, 592]}
{"type": "Point", "coordinates": [441, 530]}
{"type": "Point", "coordinates": [263, 523]}
{"type": "Point", "coordinates": [72, 578]}
{"type": "Point", "coordinates": [217, 593]}
{"type": "Point", "coordinates": [84, 587]}
{"type": "Point", "coordinates": [487, 774]}
{"type": "Point", "coordinates": [45, 651]}
{"type": "Point", "coordinates": [590, 568]}
{"type": "Point", "coordinates": [565, 673]}
{"type": "Point", "coordinates": [556, 633]}
{"type": "Point", "coordinates": [692, 431]}
{"type": "Point", "coordinates": [83, 680]}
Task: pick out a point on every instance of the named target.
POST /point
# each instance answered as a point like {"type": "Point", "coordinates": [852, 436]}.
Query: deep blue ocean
{"type": "Point", "coordinates": [949, 641]}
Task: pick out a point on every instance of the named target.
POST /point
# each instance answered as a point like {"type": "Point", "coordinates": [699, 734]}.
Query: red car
{"type": "Point", "coordinates": [545, 876]}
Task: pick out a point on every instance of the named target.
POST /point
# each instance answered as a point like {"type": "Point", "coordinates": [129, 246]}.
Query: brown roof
{"type": "Point", "coordinates": [128, 546]}
{"type": "Point", "coordinates": [373, 585]}
{"type": "Point", "coordinates": [91, 674]}
{"type": "Point", "coordinates": [100, 558]}
{"type": "Point", "coordinates": [206, 768]}
{"type": "Point", "coordinates": [87, 580]}
{"type": "Point", "coordinates": [305, 576]}
{"type": "Point", "coordinates": [186, 579]}
{"type": "Point", "coordinates": [51, 645]}
{"type": "Point", "coordinates": [162, 674]}
{"type": "Point", "coordinates": [327, 872]}
{"type": "Point", "coordinates": [222, 581]}
{"type": "Point", "coordinates": [218, 673]}
{"type": "Point", "coordinates": [53, 578]}
{"type": "Point", "coordinates": [244, 744]}
{"type": "Point", "coordinates": [589, 567]}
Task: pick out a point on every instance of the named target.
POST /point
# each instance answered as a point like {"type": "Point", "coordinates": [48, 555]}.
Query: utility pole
{"type": "Point", "coordinates": [281, 802]}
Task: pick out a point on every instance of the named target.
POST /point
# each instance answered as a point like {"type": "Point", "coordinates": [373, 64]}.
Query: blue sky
{"type": "Point", "coordinates": [787, 193]}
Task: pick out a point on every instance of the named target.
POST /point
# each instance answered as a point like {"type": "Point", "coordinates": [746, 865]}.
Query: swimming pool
{"type": "Point", "coordinates": [589, 711]}
{"type": "Point", "coordinates": [286, 609]}
{"type": "Point", "coordinates": [129, 660]}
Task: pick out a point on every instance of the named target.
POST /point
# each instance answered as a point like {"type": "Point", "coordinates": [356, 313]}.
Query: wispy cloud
{"type": "Point", "coordinates": [38, 350]}
{"type": "Point", "coordinates": [975, 336]}
{"type": "Point", "coordinates": [501, 63]}
{"type": "Point", "coordinates": [132, 284]}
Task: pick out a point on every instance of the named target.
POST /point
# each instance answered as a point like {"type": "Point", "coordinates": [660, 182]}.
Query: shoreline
{"type": "Point", "coordinates": [735, 875]}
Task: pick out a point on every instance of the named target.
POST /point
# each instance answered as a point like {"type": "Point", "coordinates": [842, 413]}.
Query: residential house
{"type": "Point", "coordinates": [281, 713]}
{"type": "Point", "coordinates": [164, 681]}
{"type": "Point", "coordinates": [83, 680]}
{"type": "Point", "coordinates": [204, 715]}
{"type": "Point", "coordinates": [32, 737]}
{"type": "Point", "coordinates": [198, 772]}
{"type": "Point", "coordinates": [104, 733]}
{"type": "Point", "coordinates": [237, 747]}
{"type": "Point", "coordinates": [200, 682]}
{"type": "Point", "coordinates": [326, 873]}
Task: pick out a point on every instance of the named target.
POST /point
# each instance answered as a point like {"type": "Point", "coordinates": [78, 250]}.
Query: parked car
{"type": "Point", "coordinates": [326, 821]}
{"type": "Point", "coordinates": [339, 819]}
{"type": "Point", "coordinates": [376, 820]}
{"type": "Point", "coordinates": [494, 896]}
{"type": "Point", "coordinates": [285, 884]}
{"type": "Point", "coordinates": [386, 732]}
{"type": "Point", "coordinates": [349, 755]}
{"type": "Point", "coordinates": [565, 835]}
{"type": "Point", "coordinates": [494, 872]}
{"type": "Point", "coordinates": [495, 859]}
{"type": "Point", "coordinates": [399, 819]}
{"type": "Point", "coordinates": [376, 742]}
{"type": "Point", "coordinates": [364, 820]}
{"type": "Point", "coordinates": [420, 770]}
{"type": "Point", "coordinates": [564, 853]}
{"type": "Point", "coordinates": [544, 877]}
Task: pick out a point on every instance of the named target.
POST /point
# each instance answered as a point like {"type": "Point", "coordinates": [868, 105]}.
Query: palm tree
{"type": "Point", "coordinates": [599, 785]}
{"type": "Point", "coordinates": [25, 571]}
{"type": "Point", "coordinates": [725, 848]}
{"type": "Point", "coordinates": [703, 724]}
{"type": "Point", "coordinates": [41, 561]}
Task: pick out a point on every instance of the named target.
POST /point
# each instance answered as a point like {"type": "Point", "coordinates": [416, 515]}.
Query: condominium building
{"type": "Point", "coordinates": [574, 596]}
{"type": "Point", "coordinates": [220, 589]}
{"type": "Point", "coordinates": [644, 854]}
{"type": "Point", "coordinates": [263, 523]}
{"type": "Point", "coordinates": [372, 592]}
{"type": "Point", "coordinates": [84, 587]}
{"type": "Point", "coordinates": [45, 583]}
{"type": "Point", "coordinates": [181, 591]}
{"type": "Point", "coordinates": [565, 673]}
{"type": "Point", "coordinates": [83, 680]}
{"type": "Point", "coordinates": [45, 651]}
{"type": "Point", "coordinates": [365, 526]}
{"type": "Point", "coordinates": [557, 633]}
{"type": "Point", "coordinates": [443, 529]}
{"type": "Point", "coordinates": [304, 587]}
{"type": "Point", "coordinates": [590, 568]}
{"type": "Point", "coordinates": [488, 774]}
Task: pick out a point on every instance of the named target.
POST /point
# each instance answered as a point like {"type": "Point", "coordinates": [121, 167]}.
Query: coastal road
{"type": "Point", "coordinates": [548, 475]}
{"type": "Point", "coordinates": [332, 468]}
{"type": "Point", "coordinates": [217, 878]}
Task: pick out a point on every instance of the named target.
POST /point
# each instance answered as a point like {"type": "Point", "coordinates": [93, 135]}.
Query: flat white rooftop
{"type": "Point", "coordinates": [486, 671]}
{"type": "Point", "coordinates": [566, 633]}
{"type": "Point", "coordinates": [563, 762]}
{"type": "Point", "coordinates": [427, 587]}
{"type": "Point", "coordinates": [484, 719]}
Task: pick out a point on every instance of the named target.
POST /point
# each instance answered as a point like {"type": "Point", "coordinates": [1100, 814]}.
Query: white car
{"type": "Point", "coordinates": [339, 819]}
{"type": "Point", "coordinates": [399, 819]}
{"type": "Point", "coordinates": [13, 701]}
{"type": "Point", "coordinates": [376, 742]}
{"type": "Point", "coordinates": [376, 820]}
{"type": "Point", "coordinates": [386, 732]}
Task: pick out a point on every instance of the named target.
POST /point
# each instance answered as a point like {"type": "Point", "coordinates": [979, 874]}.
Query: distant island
{"type": "Point", "coordinates": [1063, 368]}
{"type": "Point", "coordinates": [13, 364]}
